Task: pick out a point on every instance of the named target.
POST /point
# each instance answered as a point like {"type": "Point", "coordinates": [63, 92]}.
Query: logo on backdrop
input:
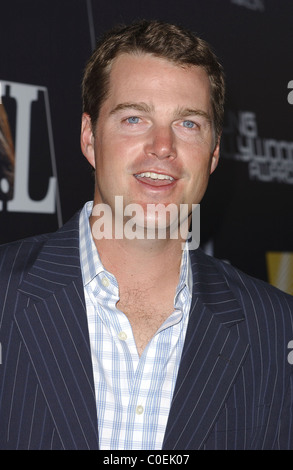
{"type": "Point", "coordinates": [269, 160]}
{"type": "Point", "coordinates": [15, 156]}
{"type": "Point", "coordinates": [251, 4]}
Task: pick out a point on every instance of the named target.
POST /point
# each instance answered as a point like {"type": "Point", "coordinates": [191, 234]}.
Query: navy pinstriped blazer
{"type": "Point", "coordinates": [234, 388]}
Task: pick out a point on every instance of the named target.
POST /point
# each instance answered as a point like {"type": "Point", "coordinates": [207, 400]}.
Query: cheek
{"type": "Point", "coordinates": [119, 147]}
{"type": "Point", "coordinates": [112, 161]}
{"type": "Point", "coordinates": [199, 161]}
{"type": "Point", "coordinates": [199, 169]}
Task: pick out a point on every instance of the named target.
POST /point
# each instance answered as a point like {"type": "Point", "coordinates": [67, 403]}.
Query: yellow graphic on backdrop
{"type": "Point", "coordinates": [280, 270]}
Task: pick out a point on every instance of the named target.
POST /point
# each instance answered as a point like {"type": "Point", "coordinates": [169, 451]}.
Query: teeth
{"type": "Point", "coordinates": [155, 176]}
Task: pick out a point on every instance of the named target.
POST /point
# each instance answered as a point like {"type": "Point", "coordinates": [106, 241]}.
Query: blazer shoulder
{"type": "Point", "coordinates": [243, 284]}
{"type": "Point", "coordinates": [18, 256]}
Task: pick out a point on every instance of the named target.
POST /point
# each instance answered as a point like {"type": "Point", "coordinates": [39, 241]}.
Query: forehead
{"type": "Point", "coordinates": [133, 74]}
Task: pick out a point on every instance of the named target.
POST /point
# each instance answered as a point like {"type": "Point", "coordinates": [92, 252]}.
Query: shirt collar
{"type": "Point", "coordinates": [91, 264]}
{"type": "Point", "coordinates": [186, 277]}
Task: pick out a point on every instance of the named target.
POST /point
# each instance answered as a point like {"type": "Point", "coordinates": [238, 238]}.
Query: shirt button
{"type": "Point", "coordinates": [122, 335]}
{"type": "Point", "coordinates": [139, 410]}
{"type": "Point", "coordinates": [105, 282]}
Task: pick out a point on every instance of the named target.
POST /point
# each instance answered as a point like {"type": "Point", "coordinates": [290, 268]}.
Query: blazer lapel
{"type": "Point", "coordinates": [211, 359]}
{"type": "Point", "coordinates": [55, 332]}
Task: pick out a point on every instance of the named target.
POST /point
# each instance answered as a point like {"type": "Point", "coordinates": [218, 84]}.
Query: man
{"type": "Point", "coordinates": [115, 341]}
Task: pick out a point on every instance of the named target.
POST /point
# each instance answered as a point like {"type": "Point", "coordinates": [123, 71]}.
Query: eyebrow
{"type": "Point", "coordinates": [183, 112]}
{"type": "Point", "coordinates": [142, 107]}
{"type": "Point", "coordinates": [145, 108]}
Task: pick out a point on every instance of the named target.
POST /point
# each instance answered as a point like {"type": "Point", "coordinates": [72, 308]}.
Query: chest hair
{"type": "Point", "coordinates": [146, 312]}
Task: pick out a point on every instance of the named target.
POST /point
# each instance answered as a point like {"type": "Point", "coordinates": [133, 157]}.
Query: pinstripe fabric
{"type": "Point", "coordinates": [234, 388]}
{"type": "Point", "coordinates": [46, 392]}
{"type": "Point", "coordinates": [237, 372]}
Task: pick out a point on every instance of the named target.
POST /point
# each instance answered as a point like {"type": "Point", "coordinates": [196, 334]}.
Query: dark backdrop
{"type": "Point", "coordinates": [246, 215]}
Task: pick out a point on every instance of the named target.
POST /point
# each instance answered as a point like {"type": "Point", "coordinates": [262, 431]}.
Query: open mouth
{"type": "Point", "coordinates": [155, 179]}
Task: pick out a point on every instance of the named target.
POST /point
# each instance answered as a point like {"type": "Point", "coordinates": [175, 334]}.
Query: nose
{"type": "Point", "coordinates": [161, 143]}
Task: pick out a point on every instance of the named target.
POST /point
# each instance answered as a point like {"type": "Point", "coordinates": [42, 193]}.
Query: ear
{"type": "Point", "coordinates": [215, 157]}
{"type": "Point", "coordinates": [87, 139]}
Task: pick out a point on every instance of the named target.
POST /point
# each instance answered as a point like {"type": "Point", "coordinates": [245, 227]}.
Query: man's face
{"type": "Point", "coordinates": [154, 139]}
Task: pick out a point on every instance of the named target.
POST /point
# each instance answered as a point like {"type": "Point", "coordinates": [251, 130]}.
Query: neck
{"type": "Point", "coordinates": [140, 259]}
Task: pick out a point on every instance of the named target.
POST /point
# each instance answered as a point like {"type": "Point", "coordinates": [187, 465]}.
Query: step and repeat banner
{"type": "Point", "coordinates": [247, 212]}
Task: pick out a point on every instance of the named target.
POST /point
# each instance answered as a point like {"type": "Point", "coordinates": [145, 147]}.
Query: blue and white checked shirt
{"type": "Point", "coordinates": [133, 394]}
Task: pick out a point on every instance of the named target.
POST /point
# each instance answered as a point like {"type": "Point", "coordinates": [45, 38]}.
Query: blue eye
{"type": "Point", "coordinates": [133, 120]}
{"type": "Point", "coordinates": [188, 124]}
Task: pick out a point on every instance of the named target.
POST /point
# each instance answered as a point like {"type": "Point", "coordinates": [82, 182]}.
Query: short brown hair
{"type": "Point", "coordinates": [161, 39]}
